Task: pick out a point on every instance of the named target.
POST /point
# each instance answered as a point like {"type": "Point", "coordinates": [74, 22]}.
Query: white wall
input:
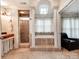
{"type": "Point", "coordinates": [0, 49]}
{"type": "Point", "coordinates": [0, 35]}
{"type": "Point", "coordinates": [0, 39]}
{"type": "Point", "coordinates": [64, 3]}
{"type": "Point", "coordinates": [16, 27]}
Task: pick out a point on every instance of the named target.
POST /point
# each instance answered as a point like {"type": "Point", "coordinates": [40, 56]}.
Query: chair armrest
{"type": "Point", "coordinates": [76, 39]}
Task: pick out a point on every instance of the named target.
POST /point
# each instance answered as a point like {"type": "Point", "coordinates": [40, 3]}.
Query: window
{"type": "Point", "coordinates": [71, 27]}
{"type": "Point", "coordinates": [43, 26]}
{"type": "Point", "coordinates": [43, 9]}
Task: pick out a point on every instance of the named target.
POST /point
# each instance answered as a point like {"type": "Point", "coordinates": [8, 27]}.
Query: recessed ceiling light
{"type": "Point", "coordinates": [22, 12]}
{"type": "Point", "coordinates": [23, 3]}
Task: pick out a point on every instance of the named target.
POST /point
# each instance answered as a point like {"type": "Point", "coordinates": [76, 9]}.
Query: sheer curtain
{"type": "Point", "coordinates": [71, 27]}
{"type": "Point", "coordinates": [43, 25]}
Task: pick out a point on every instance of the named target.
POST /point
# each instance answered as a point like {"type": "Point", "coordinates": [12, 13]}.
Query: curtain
{"type": "Point", "coordinates": [71, 26]}
{"type": "Point", "coordinates": [43, 25]}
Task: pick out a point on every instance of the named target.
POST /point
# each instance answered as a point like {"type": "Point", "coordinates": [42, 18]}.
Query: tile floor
{"type": "Point", "coordinates": [26, 53]}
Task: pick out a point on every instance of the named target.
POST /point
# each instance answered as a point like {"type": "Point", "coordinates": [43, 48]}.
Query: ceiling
{"type": "Point", "coordinates": [72, 7]}
{"type": "Point", "coordinates": [18, 3]}
{"type": "Point", "coordinates": [23, 3]}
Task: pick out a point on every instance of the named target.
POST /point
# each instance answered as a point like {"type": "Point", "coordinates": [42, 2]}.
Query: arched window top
{"type": "Point", "coordinates": [43, 9]}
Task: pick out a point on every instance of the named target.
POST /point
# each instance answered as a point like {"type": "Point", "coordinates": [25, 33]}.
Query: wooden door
{"type": "Point", "coordinates": [24, 31]}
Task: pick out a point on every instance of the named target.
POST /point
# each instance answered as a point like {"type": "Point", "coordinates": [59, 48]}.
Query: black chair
{"type": "Point", "coordinates": [69, 43]}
